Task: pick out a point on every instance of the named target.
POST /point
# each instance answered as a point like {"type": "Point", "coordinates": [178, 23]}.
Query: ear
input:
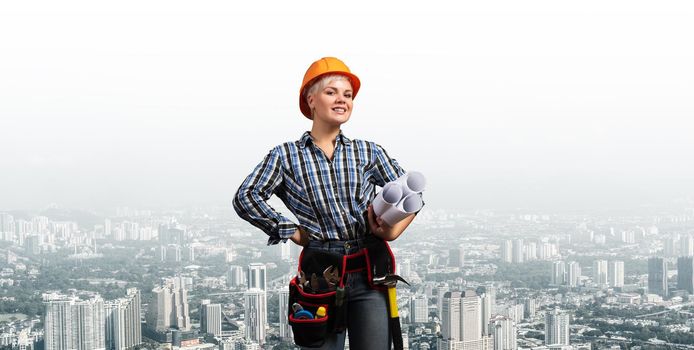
{"type": "Point", "coordinates": [309, 100]}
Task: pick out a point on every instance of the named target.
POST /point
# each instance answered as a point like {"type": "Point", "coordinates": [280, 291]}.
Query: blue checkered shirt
{"type": "Point", "coordinates": [329, 198]}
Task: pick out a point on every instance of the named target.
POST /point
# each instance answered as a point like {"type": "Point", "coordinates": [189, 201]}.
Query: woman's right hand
{"type": "Point", "coordinates": [300, 237]}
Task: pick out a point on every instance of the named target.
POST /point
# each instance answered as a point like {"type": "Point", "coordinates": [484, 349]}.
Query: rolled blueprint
{"type": "Point", "coordinates": [405, 207]}
{"type": "Point", "coordinates": [413, 182]}
{"type": "Point", "coordinates": [400, 198]}
{"type": "Point", "coordinates": [388, 198]}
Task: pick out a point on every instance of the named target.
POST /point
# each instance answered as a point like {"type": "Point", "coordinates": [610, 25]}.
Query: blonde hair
{"type": "Point", "coordinates": [322, 82]}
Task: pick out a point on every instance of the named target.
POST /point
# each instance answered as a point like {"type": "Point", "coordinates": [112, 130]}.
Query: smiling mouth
{"type": "Point", "coordinates": [340, 110]}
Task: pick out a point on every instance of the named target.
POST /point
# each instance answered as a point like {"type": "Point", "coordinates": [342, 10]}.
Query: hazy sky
{"type": "Point", "coordinates": [537, 104]}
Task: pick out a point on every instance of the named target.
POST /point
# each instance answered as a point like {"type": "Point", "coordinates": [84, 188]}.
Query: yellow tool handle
{"type": "Point", "coordinates": [393, 302]}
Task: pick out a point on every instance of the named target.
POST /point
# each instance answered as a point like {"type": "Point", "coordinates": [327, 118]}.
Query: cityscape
{"type": "Point", "coordinates": [201, 278]}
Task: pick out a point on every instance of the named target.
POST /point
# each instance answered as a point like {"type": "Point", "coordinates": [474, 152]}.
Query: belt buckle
{"type": "Point", "coordinates": [347, 245]}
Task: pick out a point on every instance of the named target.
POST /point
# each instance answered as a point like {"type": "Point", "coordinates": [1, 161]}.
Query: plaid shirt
{"type": "Point", "coordinates": [330, 198]}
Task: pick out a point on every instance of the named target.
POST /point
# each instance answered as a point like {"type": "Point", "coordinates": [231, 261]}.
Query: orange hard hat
{"type": "Point", "coordinates": [325, 65]}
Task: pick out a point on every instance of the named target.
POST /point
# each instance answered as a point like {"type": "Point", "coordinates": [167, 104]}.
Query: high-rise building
{"type": "Point", "coordinates": [529, 308]}
{"type": "Point", "coordinates": [573, 274]}
{"type": "Point", "coordinates": [504, 333]}
{"type": "Point", "coordinates": [471, 316]}
{"type": "Point", "coordinates": [419, 309]}
{"type": "Point", "coordinates": [450, 316]}
{"type": "Point", "coordinates": [685, 273]}
{"type": "Point", "coordinates": [600, 272]}
{"type": "Point", "coordinates": [530, 251]}
{"type": "Point", "coordinates": [285, 329]}
{"type": "Point", "coordinates": [558, 273]}
{"type": "Point", "coordinates": [687, 245]}
{"type": "Point", "coordinates": [455, 257]}
{"type": "Point", "coordinates": [616, 273]}
{"type": "Point", "coordinates": [169, 306]}
{"type": "Point", "coordinates": [33, 244]}
{"type": "Point", "coordinates": [440, 293]}
{"type": "Point", "coordinates": [255, 311]}
{"type": "Point", "coordinates": [257, 276]}
{"type": "Point", "coordinates": [657, 276]}
{"type": "Point", "coordinates": [285, 250]}
{"type": "Point", "coordinates": [670, 246]}
{"type": "Point", "coordinates": [210, 318]}
{"type": "Point", "coordinates": [486, 312]}
{"type": "Point", "coordinates": [556, 327]}
{"type": "Point", "coordinates": [462, 322]}
{"type": "Point", "coordinates": [123, 326]}
{"type": "Point", "coordinates": [507, 251]}
{"type": "Point", "coordinates": [515, 312]}
{"type": "Point", "coordinates": [235, 276]}
{"type": "Point", "coordinates": [517, 249]}
{"type": "Point", "coordinates": [71, 323]}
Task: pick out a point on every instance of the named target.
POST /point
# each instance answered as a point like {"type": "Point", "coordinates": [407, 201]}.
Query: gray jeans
{"type": "Point", "coordinates": [367, 308]}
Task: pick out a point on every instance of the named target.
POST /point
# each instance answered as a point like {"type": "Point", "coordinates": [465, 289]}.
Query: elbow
{"type": "Point", "coordinates": [237, 203]}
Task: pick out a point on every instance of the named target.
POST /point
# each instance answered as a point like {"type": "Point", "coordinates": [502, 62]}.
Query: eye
{"type": "Point", "coordinates": [348, 95]}
{"type": "Point", "coordinates": [329, 92]}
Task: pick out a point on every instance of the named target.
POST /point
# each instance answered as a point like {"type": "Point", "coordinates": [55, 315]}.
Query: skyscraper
{"type": "Point", "coordinates": [210, 317]}
{"type": "Point", "coordinates": [556, 327]}
{"type": "Point", "coordinates": [517, 256]}
{"type": "Point", "coordinates": [687, 245]}
{"type": "Point", "coordinates": [440, 293]}
{"type": "Point", "coordinates": [71, 323]}
{"type": "Point", "coordinates": [462, 322]}
{"type": "Point", "coordinates": [255, 311]}
{"type": "Point", "coordinates": [235, 276]}
{"type": "Point", "coordinates": [471, 316]}
{"type": "Point", "coordinates": [685, 273]}
{"type": "Point", "coordinates": [616, 273]}
{"type": "Point", "coordinates": [169, 306]}
{"type": "Point", "coordinates": [257, 276]}
{"type": "Point", "coordinates": [285, 329]}
{"type": "Point", "coordinates": [558, 273]}
{"type": "Point", "coordinates": [573, 274]}
{"type": "Point", "coordinates": [123, 326]}
{"type": "Point", "coordinates": [507, 251]}
{"type": "Point", "coordinates": [419, 309]}
{"type": "Point", "coordinates": [486, 312]}
{"type": "Point", "coordinates": [530, 251]}
{"type": "Point", "coordinates": [455, 257]}
{"type": "Point", "coordinates": [504, 333]}
{"type": "Point", "coordinates": [657, 276]}
{"type": "Point", "coordinates": [450, 316]}
{"type": "Point", "coordinates": [600, 272]}
{"type": "Point", "coordinates": [529, 308]}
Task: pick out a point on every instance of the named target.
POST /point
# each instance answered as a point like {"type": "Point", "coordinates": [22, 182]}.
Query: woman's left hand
{"type": "Point", "coordinates": [384, 231]}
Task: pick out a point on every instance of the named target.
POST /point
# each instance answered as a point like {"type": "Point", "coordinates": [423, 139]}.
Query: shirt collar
{"type": "Point", "coordinates": [306, 138]}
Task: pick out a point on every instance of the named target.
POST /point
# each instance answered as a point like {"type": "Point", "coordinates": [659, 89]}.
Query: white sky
{"type": "Point", "coordinates": [537, 104]}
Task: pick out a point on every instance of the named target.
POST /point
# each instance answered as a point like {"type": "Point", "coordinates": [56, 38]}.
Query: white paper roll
{"type": "Point", "coordinates": [405, 207]}
{"type": "Point", "coordinates": [412, 182]}
{"type": "Point", "coordinates": [389, 197]}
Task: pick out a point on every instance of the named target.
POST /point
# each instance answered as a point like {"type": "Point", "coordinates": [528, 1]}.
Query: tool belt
{"type": "Point", "coordinates": [317, 296]}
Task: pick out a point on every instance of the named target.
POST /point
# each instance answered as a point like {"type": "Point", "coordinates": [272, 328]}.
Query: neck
{"type": "Point", "coordinates": [323, 134]}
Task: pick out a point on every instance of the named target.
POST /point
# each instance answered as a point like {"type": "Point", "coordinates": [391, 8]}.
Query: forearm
{"type": "Point", "coordinates": [396, 230]}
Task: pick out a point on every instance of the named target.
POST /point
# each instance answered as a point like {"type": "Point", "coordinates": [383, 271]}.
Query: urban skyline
{"type": "Point", "coordinates": [204, 279]}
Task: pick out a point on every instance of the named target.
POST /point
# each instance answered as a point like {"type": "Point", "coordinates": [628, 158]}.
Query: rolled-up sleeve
{"type": "Point", "coordinates": [387, 169]}
{"type": "Point", "coordinates": [250, 201]}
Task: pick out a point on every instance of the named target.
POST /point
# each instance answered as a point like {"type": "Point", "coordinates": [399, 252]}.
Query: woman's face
{"type": "Point", "coordinates": [332, 104]}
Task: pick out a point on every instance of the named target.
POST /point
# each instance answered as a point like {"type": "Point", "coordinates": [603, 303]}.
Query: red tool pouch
{"type": "Point", "coordinates": [311, 289]}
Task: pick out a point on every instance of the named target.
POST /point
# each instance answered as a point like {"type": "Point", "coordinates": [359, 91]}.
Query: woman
{"type": "Point", "coordinates": [328, 182]}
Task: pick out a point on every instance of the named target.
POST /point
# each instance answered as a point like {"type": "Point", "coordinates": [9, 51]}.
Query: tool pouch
{"type": "Point", "coordinates": [311, 333]}
{"type": "Point", "coordinates": [376, 258]}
